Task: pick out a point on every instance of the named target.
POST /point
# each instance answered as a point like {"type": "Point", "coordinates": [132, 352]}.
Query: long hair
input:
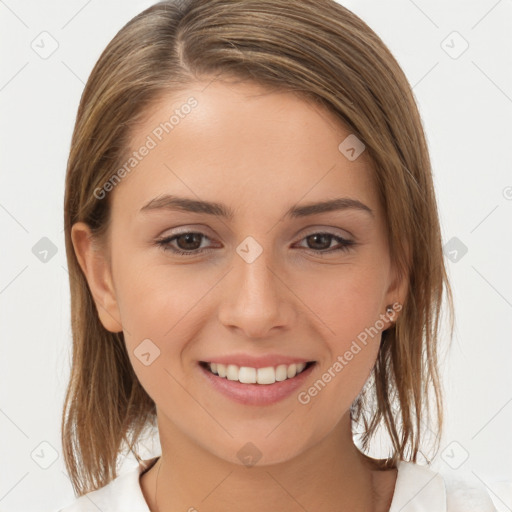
{"type": "Point", "coordinates": [315, 48]}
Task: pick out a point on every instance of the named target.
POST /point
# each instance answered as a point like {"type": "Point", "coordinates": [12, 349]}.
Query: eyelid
{"type": "Point", "coordinates": [329, 230]}
{"type": "Point", "coordinates": [189, 228]}
{"type": "Point", "coordinates": [204, 230]}
{"type": "Point", "coordinates": [344, 244]}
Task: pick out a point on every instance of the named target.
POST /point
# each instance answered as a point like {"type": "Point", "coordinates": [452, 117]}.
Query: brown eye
{"type": "Point", "coordinates": [189, 241]}
{"type": "Point", "coordinates": [321, 243]}
{"type": "Point", "coordinates": [187, 244]}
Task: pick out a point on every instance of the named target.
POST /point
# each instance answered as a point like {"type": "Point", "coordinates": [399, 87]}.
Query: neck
{"type": "Point", "coordinates": [333, 474]}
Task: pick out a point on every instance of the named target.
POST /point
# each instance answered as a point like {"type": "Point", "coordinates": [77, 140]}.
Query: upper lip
{"type": "Point", "coordinates": [256, 361]}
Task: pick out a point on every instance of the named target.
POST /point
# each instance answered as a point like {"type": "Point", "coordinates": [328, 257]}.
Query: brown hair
{"type": "Point", "coordinates": [315, 48]}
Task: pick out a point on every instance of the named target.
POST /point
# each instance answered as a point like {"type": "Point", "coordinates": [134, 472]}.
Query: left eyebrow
{"type": "Point", "coordinates": [170, 202]}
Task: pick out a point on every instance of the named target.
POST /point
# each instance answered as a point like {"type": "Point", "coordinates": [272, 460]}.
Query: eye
{"type": "Point", "coordinates": [322, 241]}
{"type": "Point", "coordinates": [189, 243]}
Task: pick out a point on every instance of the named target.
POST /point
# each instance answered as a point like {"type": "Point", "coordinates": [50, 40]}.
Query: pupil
{"type": "Point", "coordinates": [190, 239]}
{"type": "Point", "coordinates": [324, 236]}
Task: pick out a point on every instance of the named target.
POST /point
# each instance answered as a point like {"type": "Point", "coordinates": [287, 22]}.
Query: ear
{"type": "Point", "coordinates": [95, 264]}
{"type": "Point", "coordinates": [396, 294]}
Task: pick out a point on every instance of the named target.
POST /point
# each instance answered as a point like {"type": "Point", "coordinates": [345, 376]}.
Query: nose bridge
{"type": "Point", "coordinates": [257, 277]}
{"type": "Point", "coordinates": [255, 299]}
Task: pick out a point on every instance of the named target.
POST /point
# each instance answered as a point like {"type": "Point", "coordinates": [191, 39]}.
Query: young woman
{"type": "Point", "coordinates": [255, 265]}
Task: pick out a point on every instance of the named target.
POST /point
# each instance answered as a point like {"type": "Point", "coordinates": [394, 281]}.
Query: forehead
{"type": "Point", "coordinates": [243, 145]}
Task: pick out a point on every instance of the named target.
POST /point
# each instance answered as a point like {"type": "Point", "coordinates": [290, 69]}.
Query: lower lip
{"type": "Point", "coordinates": [256, 394]}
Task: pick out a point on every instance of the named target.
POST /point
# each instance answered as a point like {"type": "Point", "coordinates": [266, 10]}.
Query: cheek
{"type": "Point", "coordinates": [156, 308]}
{"type": "Point", "coordinates": [161, 309]}
{"type": "Point", "coordinates": [348, 311]}
{"type": "Point", "coordinates": [157, 299]}
{"type": "Point", "coordinates": [347, 308]}
{"type": "Point", "coordinates": [346, 301]}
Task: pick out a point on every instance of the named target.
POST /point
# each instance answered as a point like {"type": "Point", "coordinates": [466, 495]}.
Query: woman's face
{"type": "Point", "coordinates": [258, 282]}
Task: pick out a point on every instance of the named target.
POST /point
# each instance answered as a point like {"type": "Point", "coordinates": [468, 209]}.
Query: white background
{"type": "Point", "coordinates": [466, 106]}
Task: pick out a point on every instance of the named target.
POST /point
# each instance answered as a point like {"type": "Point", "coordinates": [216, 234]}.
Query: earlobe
{"type": "Point", "coordinates": [398, 289]}
{"type": "Point", "coordinates": [96, 268]}
{"type": "Point", "coordinates": [396, 296]}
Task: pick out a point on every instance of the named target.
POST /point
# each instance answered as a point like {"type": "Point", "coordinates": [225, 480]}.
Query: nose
{"type": "Point", "coordinates": [256, 299]}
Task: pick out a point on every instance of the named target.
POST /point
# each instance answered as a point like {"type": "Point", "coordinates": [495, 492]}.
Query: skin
{"type": "Point", "coordinates": [259, 152]}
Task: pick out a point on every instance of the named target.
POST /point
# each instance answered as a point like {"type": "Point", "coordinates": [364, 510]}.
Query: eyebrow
{"type": "Point", "coordinates": [170, 202]}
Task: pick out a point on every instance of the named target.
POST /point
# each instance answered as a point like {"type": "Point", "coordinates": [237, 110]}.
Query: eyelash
{"type": "Point", "coordinates": [164, 243]}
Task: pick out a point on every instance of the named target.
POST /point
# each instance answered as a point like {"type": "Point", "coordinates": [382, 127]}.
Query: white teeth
{"type": "Point", "coordinates": [265, 375]}
{"type": "Point", "coordinates": [281, 372]}
{"type": "Point", "coordinates": [248, 375]}
{"type": "Point", "coordinates": [232, 372]}
{"type": "Point", "coordinates": [292, 371]}
{"type": "Point", "coordinates": [221, 370]}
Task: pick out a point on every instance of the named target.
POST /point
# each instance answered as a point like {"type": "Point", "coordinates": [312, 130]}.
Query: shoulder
{"type": "Point", "coordinates": [421, 488]}
{"type": "Point", "coordinates": [121, 494]}
{"type": "Point", "coordinates": [466, 493]}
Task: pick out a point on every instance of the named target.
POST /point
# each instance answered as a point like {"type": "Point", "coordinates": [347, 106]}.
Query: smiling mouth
{"type": "Point", "coordinates": [249, 375]}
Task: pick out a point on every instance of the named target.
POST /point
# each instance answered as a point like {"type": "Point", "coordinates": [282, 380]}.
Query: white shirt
{"type": "Point", "coordinates": [417, 489]}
